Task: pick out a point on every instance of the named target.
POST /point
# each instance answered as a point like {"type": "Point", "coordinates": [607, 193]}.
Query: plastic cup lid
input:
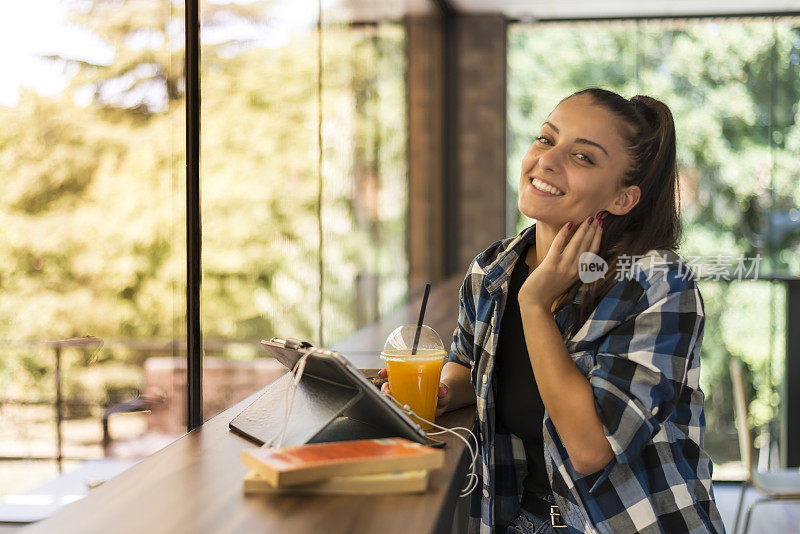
{"type": "Point", "coordinates": [401, 341]}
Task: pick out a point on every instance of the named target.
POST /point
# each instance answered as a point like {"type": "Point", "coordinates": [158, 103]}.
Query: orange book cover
{"type": "Point", "coordinates": [320, 461]}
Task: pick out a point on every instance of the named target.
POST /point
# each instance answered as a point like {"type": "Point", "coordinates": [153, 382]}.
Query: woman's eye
{"type": "Point", "coordinates": [584, 157]}
{"type": "Point", "coordinates": [544, 140]}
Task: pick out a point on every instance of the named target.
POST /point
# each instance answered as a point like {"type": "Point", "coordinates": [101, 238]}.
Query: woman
{"type": "Point", "coordinates": [587, 394]}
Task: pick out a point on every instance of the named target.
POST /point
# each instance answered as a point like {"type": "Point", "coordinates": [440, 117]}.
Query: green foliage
{"type": "Point", "coordinates": [82, 258]}
{"type": "Point", "coordinates": [93, 211]}
{"type": "Point", "coordinates": [260, 186]}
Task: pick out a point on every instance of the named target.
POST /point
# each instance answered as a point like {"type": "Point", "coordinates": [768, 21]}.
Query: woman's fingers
{"type": "Point", "coordinates": [575, 246]}
{"type": "Point", "coordinates": [588, 237]}
{"type": "Point", "coordinates": [598, 235]}
{"type": "Point", "coordinates": [560, 241]}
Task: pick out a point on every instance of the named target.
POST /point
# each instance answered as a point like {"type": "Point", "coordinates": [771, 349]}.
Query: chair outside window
{"type": "Point", "coordinates": [783, 485]}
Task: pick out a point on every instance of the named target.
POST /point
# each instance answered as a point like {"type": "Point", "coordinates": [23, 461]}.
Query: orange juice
{"type": "Point", "coordinates": [414, 379]}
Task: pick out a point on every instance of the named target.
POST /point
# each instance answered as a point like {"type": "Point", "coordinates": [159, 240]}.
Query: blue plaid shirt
{"type": "Point", "coordinates": [640, 351]}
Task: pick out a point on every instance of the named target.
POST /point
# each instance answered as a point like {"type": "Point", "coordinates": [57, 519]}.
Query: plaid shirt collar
{"type": "Point", "coordinates": [498, 268]}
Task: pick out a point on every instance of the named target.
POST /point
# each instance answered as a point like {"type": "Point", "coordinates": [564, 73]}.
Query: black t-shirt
{"type": "Point", "coordinates": [519, 405]}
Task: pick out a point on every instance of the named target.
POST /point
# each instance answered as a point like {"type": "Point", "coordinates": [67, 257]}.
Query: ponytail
{"type": "Point", "coordinates": [654, 222]}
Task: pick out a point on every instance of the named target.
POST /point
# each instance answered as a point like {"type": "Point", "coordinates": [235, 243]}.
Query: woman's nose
{"type": "Point", "coordinates": [551, 160]}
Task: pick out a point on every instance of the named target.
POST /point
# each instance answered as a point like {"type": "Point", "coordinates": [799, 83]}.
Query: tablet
{"type": "Point", "coordinates": [335, 393]}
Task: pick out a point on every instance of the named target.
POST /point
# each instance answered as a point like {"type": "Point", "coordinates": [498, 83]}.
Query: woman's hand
{"type": "Point", "coordinates": [444, 397]}
{"type": "Point", "coordinates": [559, 269]}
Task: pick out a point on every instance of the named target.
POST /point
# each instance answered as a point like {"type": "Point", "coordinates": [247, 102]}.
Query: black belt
{"type": "Point", "coordinates": [543, 508]}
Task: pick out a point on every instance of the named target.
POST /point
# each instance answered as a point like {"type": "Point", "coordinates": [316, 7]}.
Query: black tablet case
{"type": "Point", "coordinates": [330, 404]}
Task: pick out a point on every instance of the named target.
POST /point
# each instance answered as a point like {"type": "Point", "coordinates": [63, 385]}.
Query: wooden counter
{"type": "Point", "coordinates": [194, 485]}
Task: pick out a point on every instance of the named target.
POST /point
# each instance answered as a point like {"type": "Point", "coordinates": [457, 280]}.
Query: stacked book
{"type": "Point", "coordinates": [392, 465]}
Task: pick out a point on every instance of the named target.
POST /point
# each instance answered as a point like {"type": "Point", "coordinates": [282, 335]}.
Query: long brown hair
{"type": "Point", "coordinates": [653, 223]}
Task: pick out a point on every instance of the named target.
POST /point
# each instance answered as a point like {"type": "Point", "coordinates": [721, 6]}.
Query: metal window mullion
{"type": "Point", "coordinates": [194, 333]}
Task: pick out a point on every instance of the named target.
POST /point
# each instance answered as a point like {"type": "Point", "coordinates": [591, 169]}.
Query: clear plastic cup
{"type": "Point", "coordinates": [414, 378]}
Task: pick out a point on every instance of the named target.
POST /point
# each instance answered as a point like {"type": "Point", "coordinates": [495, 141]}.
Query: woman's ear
{"type": "Point", "coordinates": [626, 200]}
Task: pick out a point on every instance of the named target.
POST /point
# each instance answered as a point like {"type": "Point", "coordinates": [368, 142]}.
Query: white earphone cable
{"type": "Point", "coordinates": [472, 477]}
{"type": "Point", "coordinates": [297, 371]}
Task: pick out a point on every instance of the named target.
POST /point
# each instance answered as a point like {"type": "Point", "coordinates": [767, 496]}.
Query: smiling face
{"type": "Point", "coordinates": [574, 167]}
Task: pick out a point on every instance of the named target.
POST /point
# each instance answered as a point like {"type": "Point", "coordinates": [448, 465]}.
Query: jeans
{"type": "Point", "coordinates": [528, 523]}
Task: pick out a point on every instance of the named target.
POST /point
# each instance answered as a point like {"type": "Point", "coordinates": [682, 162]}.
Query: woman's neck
{"type": "Point", "coordinates": [545, 234]}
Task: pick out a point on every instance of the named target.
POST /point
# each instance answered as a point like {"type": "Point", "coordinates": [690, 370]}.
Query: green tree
{"type": "Point", "coordinates": [94, 210]}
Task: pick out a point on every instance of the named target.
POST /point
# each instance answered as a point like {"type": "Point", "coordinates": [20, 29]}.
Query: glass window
{"type": "Point", "coordinates": [303, 199]}
{"type": "Point", "coordinates": [736, 116]}
{"type": "Point", "coordinates": [303, 183]}
{"type": "Point", "coordinates": [92, 159]}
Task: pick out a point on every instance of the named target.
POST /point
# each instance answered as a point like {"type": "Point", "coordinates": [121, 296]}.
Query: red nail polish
{"type": "Point", "coordinates": [569, 225]}
{"type": "Point", "coordinates": [591, 220]}
{"type": "Point", "coordinates": [600, 223]}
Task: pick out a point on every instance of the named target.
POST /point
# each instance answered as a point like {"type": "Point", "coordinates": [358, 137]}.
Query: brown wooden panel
{"type": "Point", "coordinates": [480, 134]}
{"type": "Point", "coordinates": [424, 89]}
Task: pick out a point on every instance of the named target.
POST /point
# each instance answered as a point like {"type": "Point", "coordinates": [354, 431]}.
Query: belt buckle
{"type": "Point", "coordinates": [556, 520]}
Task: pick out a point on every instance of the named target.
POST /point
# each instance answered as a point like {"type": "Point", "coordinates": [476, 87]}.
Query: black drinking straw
{"type": "Point", "coordinates": [421, 317]}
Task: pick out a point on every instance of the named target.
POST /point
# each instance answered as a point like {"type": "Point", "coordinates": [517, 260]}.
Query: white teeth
{"type": "Point", "coordinates": [547, 188]}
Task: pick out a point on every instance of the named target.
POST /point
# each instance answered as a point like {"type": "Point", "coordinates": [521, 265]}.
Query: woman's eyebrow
{"type": "Point", "coordinates": [579, 139]}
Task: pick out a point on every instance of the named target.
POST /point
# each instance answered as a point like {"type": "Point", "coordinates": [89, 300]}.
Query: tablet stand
{"type": "Point", "coordinates": [333, 402]}
{"type": "Point", "coordinates": [317, 404]}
